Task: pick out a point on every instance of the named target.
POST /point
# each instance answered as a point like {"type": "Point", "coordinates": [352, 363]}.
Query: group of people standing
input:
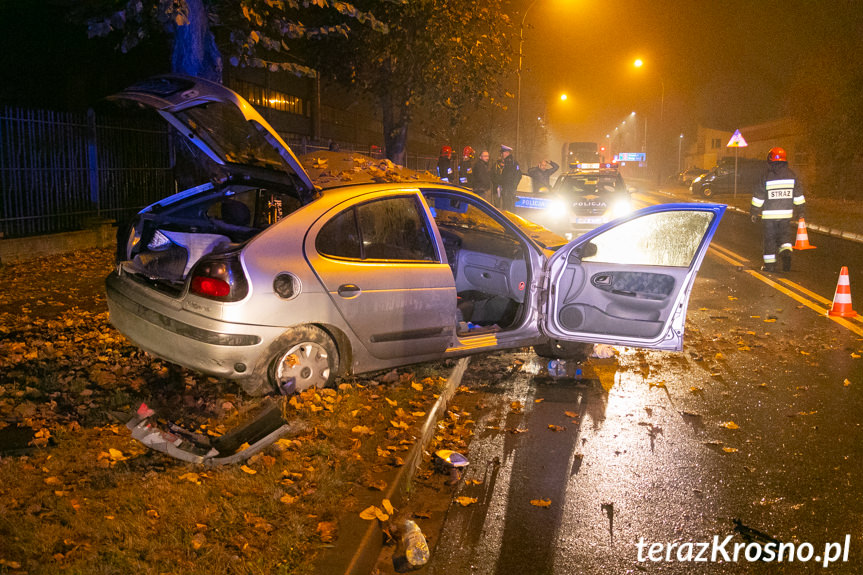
{"type": "Point", "coordinates": [496, 183]}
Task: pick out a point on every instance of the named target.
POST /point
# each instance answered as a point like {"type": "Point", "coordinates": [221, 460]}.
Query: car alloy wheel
{"type": "Point", "coordinates": [706, 192]}
{"type": "Point", "coordinates": [311, 362]}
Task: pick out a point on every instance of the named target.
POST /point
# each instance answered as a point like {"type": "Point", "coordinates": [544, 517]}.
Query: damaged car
{"type": "Point", "coordinates": [257, 276]}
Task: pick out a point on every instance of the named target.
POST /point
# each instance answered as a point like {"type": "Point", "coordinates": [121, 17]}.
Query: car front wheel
{"type": "Point", "coordinates": [308, 358]}
{"type": "Point", "coordinates": [707, 192]}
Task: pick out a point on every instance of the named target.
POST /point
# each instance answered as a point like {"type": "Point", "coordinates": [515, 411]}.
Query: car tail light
{"type": "Point", "coordinates": [219, 277]}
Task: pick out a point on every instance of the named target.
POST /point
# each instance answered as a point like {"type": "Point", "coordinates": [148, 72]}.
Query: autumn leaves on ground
{"type": "Point", "coordinates": [78, 495]}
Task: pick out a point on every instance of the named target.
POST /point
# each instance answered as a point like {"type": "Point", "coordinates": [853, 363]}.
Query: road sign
{"type": "Point", "coordinates": [630, 157]}
{"type": "Point", "coordinates": [736, 141]}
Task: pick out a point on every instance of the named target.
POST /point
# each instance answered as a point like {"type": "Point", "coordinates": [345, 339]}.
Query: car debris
{"type": "Point", "coordinates": [237, 445]}
{"type": "Point", "coordinates": [452, 462]}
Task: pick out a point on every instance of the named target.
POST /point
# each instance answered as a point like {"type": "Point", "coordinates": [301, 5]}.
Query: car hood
{"type": "Point", "coordinates": [218, 122]}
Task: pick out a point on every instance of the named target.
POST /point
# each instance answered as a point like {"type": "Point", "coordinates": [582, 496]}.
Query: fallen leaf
{"type": "Point", "coordinates": [248, 469]}
{"type": "Point", "coordinates": [326, 530]}
{"type": "Point", "coordinates": [52, 480]}
{"type": "Point", "coordinates": [553, 427]}
{"type": "Point", "coordinates": [191, 478]}
{"type": "Point", "coordinates": [846, 383]}
{"type": "Point", "coordinates": [516, 406]}
{"type": "Point", "coordinates": [729, 449]}
{"type": "Point", "coordinates": [417, 386]}
{"type": "Point", "coordinates": [362, 430]}
{"type": "Point", "coordinates": [465, 501]}
{"type": "Point", "coordinates": [198, 540]}
{"type": "Point", "coordinates": [388, 507]}
{"type": "Point", "coordinates": [729, 425]}
{"type": "Point", "coordinates": [570, 414]}
{"type": "Point", "coordinates": [392, 402]}
{"type": "Point", "coordinates": [539, 400]}
{"type": "Point", "coordinates": [288, 498]}
{"type": "Point", "coordinates": [152, 513]}
{"type": "Point", "coordinates": [694, 389]}
{"type": "Point", "coordinates": [473, 481]}
{"type": "Point", "coordinates": [770, 320]}
{"type": "Point", "coordinates": [540, 502]}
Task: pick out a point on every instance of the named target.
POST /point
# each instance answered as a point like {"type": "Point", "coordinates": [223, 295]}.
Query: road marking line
{"type": "Point", "coordinates": [782, 289]}
{"type": "Point", "coordinates": [729, 252]}
{"type": "Point", "coordinates": [820, 310]}
{"type": "Point", "coordinates": [728, 259]}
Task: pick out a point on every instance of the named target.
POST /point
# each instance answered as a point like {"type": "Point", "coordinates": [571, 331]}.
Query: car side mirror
{"type": "Point", "coordinates": [583, 251]}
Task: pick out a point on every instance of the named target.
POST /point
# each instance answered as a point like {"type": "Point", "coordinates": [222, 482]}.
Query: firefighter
{"type": "Point", "coordinates": [777, 200]}
{"type": "Point", "coordinates": [465, 167]}
{"type": "Point", "coordinates": [444, 165]}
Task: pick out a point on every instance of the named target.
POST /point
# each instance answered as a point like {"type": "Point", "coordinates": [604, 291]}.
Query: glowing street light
{"type": "Point", "coordinates": [563, 97]}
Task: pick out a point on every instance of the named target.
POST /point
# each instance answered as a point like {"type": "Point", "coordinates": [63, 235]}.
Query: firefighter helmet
{"type": "Point", "coordinates": [467, 152]}
{"type": "Point", "coordinates": [777, 155]}
{"type": "Point", "coordinates": [446, 151]}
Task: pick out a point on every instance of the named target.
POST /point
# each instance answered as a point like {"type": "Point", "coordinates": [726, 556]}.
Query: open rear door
{"type": "Point", "coordinates": [628, 282]}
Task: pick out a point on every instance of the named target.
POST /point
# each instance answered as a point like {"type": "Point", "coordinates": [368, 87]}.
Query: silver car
{"type": "Point", "coordinates": [256, 276]}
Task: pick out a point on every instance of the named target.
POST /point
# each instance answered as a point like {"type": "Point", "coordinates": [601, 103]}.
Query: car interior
{"type": "Point", "coordinates": [488, 261]}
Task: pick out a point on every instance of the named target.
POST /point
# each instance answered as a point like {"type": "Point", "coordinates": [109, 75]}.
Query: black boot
{"type": "Point", "coordinates": [785, 256]}
{"type": "Point", "coordinates": [771, 267]}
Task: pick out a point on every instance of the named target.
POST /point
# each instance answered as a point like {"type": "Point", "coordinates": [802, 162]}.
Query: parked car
{"type": "Point", "coordinates": [720, 179]}
{"type": "Point", "coordinates": [579, 200]}
{"type": "Point", "coordinates": [257, 276]}
{"type": "Point", "coordinates": [685, 177]}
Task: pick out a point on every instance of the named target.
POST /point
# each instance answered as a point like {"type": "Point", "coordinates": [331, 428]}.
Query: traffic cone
{"type": "Point", "coordinates": [842, 299]}
{"type": "Point", "coordinates": [802, 242]}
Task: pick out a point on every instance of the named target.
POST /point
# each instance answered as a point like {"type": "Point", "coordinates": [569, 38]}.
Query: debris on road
{"type": "Point", "coordinates": [233, 447]}
{"type": "Point", "coordinates": [413, 551]}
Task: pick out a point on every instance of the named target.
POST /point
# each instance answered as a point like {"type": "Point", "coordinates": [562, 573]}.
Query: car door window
{"type": "Point", "coordinates": [387, 229]}
{"type": "Point", "coordinates": [659, 239]}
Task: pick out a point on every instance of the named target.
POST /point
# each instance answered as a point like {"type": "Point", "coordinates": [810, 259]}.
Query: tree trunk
{"type": "Point", "coordinates": [195, 52]}
{"type": "Point", "coordinates": [395, 121]}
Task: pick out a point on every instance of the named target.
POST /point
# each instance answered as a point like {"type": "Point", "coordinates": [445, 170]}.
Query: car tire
{"type": "Point", "coordinates": [707, 192]}
{"type": "Point", "coordinates": [308, 356]}
{"type": "Point", "coordinates": [569, 350]}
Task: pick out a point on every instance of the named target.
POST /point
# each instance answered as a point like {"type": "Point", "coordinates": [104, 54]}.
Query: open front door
{"type": "Point", "coordinates": [628, 282]}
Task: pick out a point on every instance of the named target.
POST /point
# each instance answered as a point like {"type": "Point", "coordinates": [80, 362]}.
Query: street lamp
{"type": "Point", "coordinates": [638, 63]}
{"type": "Point", "coordinates": [679, 146]}
{"type": "Point", "coordinates": [518, 91]}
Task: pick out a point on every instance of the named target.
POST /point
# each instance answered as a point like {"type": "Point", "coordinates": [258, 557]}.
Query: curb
{"type": "Point", "coordinates": [367, 541]}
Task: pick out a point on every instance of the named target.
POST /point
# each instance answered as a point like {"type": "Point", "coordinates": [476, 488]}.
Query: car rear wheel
{"type": "Point", "coordinates": [571, 350]}
{"type": "Point", "coordinates": [309, 358]}
{"type": "Point", "coordinates": [707, 192]}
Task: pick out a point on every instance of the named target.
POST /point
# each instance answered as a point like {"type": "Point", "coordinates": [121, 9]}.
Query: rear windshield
{"type": "Point", "coordinates": [224, 129]}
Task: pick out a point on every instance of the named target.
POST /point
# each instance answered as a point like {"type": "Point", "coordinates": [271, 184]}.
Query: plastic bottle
{"type": "Point", "coordinates": [416, 550]}
{"type": "Point", "coordinates": [557, 368]}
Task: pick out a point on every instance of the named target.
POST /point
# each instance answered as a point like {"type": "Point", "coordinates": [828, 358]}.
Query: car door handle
{"type": "Point", "coordinates": [602, 280]}
{"type": "Point", "coordinates": [349, 290]}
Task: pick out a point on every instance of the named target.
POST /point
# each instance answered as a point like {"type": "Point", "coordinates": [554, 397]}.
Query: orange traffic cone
{"type": "Point", "coordinates": [802, 242]}
{"type": "Point", "coordinates": [842, 299]}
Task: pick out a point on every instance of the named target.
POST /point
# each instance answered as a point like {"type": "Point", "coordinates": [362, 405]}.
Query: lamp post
{"type": "Point", "coordinates": [679, 147]}
{"type": "Point", "coordinates": [518, 73]}
{"type": "Point", "coordinates": [638, 63]}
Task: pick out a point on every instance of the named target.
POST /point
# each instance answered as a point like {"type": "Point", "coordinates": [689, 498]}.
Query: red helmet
{"type": "Point", "coordinates": [467, 152]}
{"type": "Point", "coordinates": [777, 155]}
{"type": "Point", "coordinates": [446, 151]}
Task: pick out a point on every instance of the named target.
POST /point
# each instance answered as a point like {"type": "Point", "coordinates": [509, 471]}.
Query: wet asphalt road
{"type": "Point", "coordinates": [758, 419]}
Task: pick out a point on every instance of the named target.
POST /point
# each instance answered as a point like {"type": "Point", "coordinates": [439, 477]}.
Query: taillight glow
{"type": "Point", "coordinates": [210, 287]}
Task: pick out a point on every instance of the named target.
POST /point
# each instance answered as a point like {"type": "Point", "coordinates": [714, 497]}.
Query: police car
{"type": "Point", "coordinates": [580, 200]}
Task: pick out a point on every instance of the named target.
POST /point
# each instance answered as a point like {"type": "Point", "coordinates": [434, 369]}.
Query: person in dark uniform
{"type": "Point", "coordinates": [506, 177]}
{"type": "Point", "coordinates": [444, 166]}
{"type": "Point", "coordinates": [776, 201]}
{"type": "Point", "coordinates": [540, 175]}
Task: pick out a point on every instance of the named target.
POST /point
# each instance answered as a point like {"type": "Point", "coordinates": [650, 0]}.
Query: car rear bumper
{"type": "Point", "coordinates": [159, 326]}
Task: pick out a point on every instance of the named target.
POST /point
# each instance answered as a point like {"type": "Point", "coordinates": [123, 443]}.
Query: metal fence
{"type": "Point", "coordinates": [61, 171]}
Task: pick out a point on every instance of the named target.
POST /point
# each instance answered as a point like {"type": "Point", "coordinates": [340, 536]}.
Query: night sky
{"type": "Point", "coordinates": [724, 64]}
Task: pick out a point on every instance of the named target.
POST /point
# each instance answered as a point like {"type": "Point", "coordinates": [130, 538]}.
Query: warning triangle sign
{"type": "Point", "coordinates": [736, 141]}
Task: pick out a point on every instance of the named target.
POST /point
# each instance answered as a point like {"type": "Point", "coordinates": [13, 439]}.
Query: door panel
{"type": "Point", "coordinates": [379, 263]}
{"type": "Point", "coordinates": [628, 282]}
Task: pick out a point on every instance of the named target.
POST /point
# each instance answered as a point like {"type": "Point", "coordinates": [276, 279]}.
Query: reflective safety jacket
{"type": "Point", "coordinates": [780, 195]}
